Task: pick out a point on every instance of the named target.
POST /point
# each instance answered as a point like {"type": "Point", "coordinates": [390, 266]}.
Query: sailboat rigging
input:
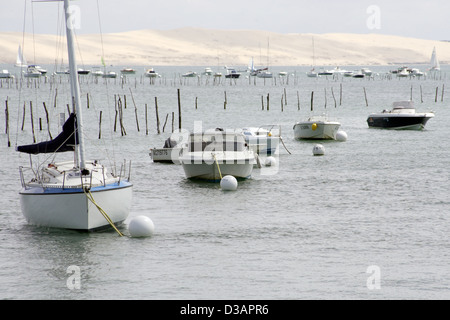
{"type": "Point", "coordinates": [73, 194]}
{"type": "Point", "coordinates": [312, 73]}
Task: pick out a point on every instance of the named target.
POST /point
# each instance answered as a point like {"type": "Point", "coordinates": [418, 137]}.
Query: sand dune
{"type": "Point", "coordinates": [206, 47]}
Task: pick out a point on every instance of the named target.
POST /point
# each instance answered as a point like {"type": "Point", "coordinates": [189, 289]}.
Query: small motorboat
{"type": "Point", "coordinates": [32, 72]}
{"type": "Point", "coordinates": [110, 75]}
{"type": "Point", "coordinates": [169, 153]}
{"type": "Point", "coordinates": [127, 71]}
{"type": "Point", "coordinates": [264, 140]}
{"type": "Point", "coordinates": [83, 72]}
{"type": "Point", "coordinates": [151, 73]}
{"type": "Point", "coordinates": [316, 127]}
{"type": "Point", "coordinates": [190, 74]}
{"type": "Point", "coordinates": [5, 74]}
{"type": "Point", "coordinates": [212, 155]}
{"type": "Point", "coordinates": [402, 116]}
{"type": "Point", "coordinates": [232, 73]}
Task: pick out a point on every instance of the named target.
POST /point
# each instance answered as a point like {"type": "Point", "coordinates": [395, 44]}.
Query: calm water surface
{"type": "Point", "coordinates": [309, 228]}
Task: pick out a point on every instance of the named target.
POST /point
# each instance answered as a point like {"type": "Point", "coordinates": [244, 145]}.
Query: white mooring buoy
{"type": "Point", "coordinates": [270, 161]}
{"type": "Point", "coordinates": [228, 183]}
{"type": "Point", "coordinates": [141, 226]}
{"type": "Point", "coordinates": [341, 136]}
{"type": "Point", "coordinates": [318, 150]}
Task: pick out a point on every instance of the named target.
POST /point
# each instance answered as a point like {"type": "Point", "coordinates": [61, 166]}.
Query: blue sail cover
{"type": "Point", "coordinates": [64, 142]}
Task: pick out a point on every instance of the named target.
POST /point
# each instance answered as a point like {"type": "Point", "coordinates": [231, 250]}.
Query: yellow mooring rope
{"type": "Point", "coordinates": [217, 163]}
{"type": "Point", "coordinates": [91, 198]}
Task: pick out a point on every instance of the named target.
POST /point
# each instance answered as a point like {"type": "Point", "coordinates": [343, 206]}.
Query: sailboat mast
{"type": "Point", "coordinates": [75, 85]}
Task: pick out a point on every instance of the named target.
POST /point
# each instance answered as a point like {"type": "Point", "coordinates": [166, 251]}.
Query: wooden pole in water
{"type": "Point", "coordinates": [173, 121]}
{"type": "Point", "coordinates": [325, 93]}
{"type": "Point", "coordinates": [298, 100]}
{"type": "Point", "coordinates": [165, 122]}
{"type": "Point", "coordinates": [157, 115]}
{"type": "Point", "coordinates": [340, 94]}
{"type": "Point", "coordinates": [262, 102]}
{"type": "Point", "coordinates": [285, 97]}
{"type": "Point", "coordinates": [442, 95]}
{"type": "Point", "coordinates": [32, 121]}
{"type": "Point", "coordinates": [421, 97]}
{"type": "Point", "coordinates": [437, 90]}
{"type": "Point", "coordinates": [135, 110]}
{"type": "Point", "coordinates": [312, 100]}
{"type": "Point", "coordinates": [122, 128]}
{"type": "Point", "coordinates": [365, 97]}
{"type": "Point", "coordinates": [48, 121]}
{"type": "Point", "coordinates": [7, 122]}
{"type": "Point", "coordinates": [179, 110]}
{"type": "Point", "coordinates": [225, 102]}
{"type": "Point", "coordinates": [100, 126]}
{"type": "Point", "coordinates": [146, 122]}
{"type": "Point", "coordinates": [23, 118]}
{"type": "Point", "coordinates": [268, 100]}
{"type": "Point", "coordinates": [334, 98]}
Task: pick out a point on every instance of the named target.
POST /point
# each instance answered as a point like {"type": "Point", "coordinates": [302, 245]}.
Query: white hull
{"type": "Point", "coordinates": [55, 198]}
{"type": "Point", "coordinates": [321, 130]}
{"type": "Point", "coordinates": [211, 156]}
{"type": "Point", "coordinates": [209, 170]}
{"type": "Point", "coordinates": [73, 209]}
{"type": "Point", "coordinates": [264, 140]}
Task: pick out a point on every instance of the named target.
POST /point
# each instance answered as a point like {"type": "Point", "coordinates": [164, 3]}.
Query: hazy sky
{"type": "Point", "coordinates": [410, 18]}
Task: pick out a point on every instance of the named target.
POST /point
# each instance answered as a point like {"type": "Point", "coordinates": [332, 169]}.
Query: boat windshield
{"type": "Point", "coordinates": [217, 142]}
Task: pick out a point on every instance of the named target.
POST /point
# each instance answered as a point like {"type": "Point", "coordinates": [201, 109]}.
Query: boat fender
{"type": "Point", "coordinates": [314, 126]}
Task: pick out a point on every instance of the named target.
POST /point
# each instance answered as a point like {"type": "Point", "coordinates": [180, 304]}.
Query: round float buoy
{"type": "Point", "coordinates": [141, 226]}
{"type": "Point", "coordinates": [341, 136]}
{"type": "Point", "coordinates": [318, 150]}
{"type": "Point", "coordinates": [314, 126]}
{"type": "Point", "coordinates": [270, 161]}
{"type": "Point", "coordinates": [228, 183]}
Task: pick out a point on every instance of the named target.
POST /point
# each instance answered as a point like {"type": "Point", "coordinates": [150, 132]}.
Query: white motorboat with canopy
{"type": "Point", "coordinates": [213, 155]}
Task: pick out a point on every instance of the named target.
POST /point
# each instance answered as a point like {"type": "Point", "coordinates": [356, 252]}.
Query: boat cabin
{"type": "Point", "coordinates": [217, 141]}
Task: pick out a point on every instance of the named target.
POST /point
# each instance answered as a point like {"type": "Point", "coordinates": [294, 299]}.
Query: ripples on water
{"type": "Point", "coordinates": [309, 231]}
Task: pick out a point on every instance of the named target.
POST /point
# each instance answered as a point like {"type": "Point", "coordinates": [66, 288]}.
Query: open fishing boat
{"type": "Point", "coordinates": [213, 155]}
{"type": "Point", "coordinates": [263, 140]}
{"type": "Point", "coordinates": [169, 153]}
{"type": "Point", "coordinates": [75, 194]}
{"type": "Point", "coordinates": [316, 127]}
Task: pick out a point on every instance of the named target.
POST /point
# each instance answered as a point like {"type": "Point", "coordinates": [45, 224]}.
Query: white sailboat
{"type": "Point", "coordinates": [435, 65]}
{"type": "Point", "coordinates": [76, 194]}
{"type": "Point", "coordinates": [21, 61]}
